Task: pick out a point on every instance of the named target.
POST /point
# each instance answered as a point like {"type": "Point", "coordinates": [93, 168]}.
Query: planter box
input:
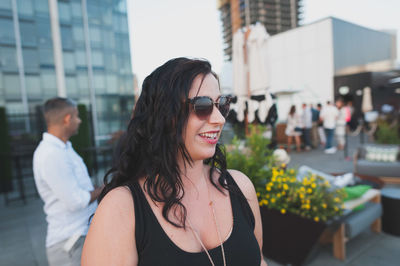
{"type": "Point", "coordinates": [288, 238]}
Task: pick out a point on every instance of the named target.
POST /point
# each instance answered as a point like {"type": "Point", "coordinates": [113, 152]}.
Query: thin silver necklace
{"type": "Point", "coordinates": [211, 203]}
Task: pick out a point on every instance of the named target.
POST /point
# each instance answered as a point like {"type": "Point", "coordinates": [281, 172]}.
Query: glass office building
{"type": "Point", "coordinates": [73, 48]}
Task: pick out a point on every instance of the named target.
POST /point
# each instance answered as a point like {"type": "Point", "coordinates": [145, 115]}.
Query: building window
{"type": "Point", "coordinates": [46, 57]}
{"type": "Point", "coordinates": [33, 87]}
{"type": "Point", "coordinates": [44, 32]}
{"type": "Point", "coordinates": [6, 31]}
{"type": "Point", "coordinates": [76, 10]}
{"type": "Point", "coordinates": [108, 39]}
{"type": "Point", "coordinates": [112, 83]}
{"type": "Point", "coordinates": [83, 83]}
{"type": "Point", "coordinates": [95, 37]}
{"type": "Point", "coordinates": [25, 7]}
{"type": "Point", "coordinates": [48, 83]}
{"type": "Point", "coordinates": [8, 58]}
{"type": "Point", "coordinates": [28, 33]}
{"type": "Point", "coordinates": [110, 61]}
{"type": "Point", "coordinates": [69, 61]}
{"type": "Point", "coordinates": [64, 11]}
{"type": "Point", "coordinates": [80, 58]}
{"type": "Point", "coordinates": [99, 83]}
{"type": "Point", "coordinates": [97, 59]}
{"type": "Point", "coordinates": [42, 6]}
{"type": "Point", "coordinates": [66, 38]}
{"type": "Point", "coordinates": [77, 33]}
{"type": "Point", "coordinates": [12, 86]}
{"type": "Point", "coordinates": [31, 60]}
{"type": "Point", "coordinates": [5, 4]}
{"type": "Point", "coordinates": [94, 14]}
{"type": "Point", "coordinates": [72, 88]}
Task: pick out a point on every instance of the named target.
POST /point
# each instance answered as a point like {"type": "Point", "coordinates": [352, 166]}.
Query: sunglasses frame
{"type": "Point", "coordinates": [193, 100]}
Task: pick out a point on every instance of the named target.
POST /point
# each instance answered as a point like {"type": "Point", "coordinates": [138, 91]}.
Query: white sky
{"type": "Point", "coordinates": [164, 29]}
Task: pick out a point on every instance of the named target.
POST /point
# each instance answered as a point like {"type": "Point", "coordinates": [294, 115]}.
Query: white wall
{"type": "Point", "coordinates": [302, 60]}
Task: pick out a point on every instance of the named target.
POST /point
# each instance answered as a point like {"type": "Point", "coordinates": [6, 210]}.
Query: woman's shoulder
{"type": "Point", "coordinates": [111, 236]}
{"type": "Point", "coordinates": [118, 203]}
{"type": "Point", "coordinates": [243, 182]}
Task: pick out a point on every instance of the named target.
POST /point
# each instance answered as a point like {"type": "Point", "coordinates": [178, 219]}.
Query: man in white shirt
{"type": "Point", "coordinates": [64, 184]}
{"type": "Point", "coordinates": [328, 116]}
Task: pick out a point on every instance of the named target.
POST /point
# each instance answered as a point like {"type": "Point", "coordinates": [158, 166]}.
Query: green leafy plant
{"type": "Point", "coordinates": [277, 186]}
{"type": "Point", "coordinates": [251, 156]}
{"type": "Point", "coordinates": [387, 134]}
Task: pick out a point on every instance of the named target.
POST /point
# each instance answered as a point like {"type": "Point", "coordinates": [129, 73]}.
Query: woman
{"type": "Point", "coordinates": [293, 129]}
{"type": "Point", "coordinates": [171, 200]}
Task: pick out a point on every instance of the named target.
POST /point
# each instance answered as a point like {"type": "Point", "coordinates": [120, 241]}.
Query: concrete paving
{"type": "Point", "coordinates": [23, 227]}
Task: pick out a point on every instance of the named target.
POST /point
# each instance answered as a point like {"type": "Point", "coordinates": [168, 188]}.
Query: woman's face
{"type": "Point", "coordinates": [201, 136]}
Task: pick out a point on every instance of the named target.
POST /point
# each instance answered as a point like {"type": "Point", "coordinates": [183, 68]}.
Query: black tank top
{"type": "Point", "coordinates": [155, 248]}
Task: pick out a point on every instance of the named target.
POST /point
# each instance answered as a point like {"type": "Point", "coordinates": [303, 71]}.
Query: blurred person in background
{"type": "Point", "coordinates": [63, 183]}
{"type": "Point", "coordinates": [321, 130]}
{"type": "Point", "coordinates": [306, 118]}
{"type": "Point", "coordinates": [341, 122]}
{"type": "Point", "coordinates": [328, 116]}
{"type": "Point", "coordinates": [293, 129]}
{"type": "Point", "coordinates": [314, 129]}
{"type": "Point", "coordinates": [171, 200]}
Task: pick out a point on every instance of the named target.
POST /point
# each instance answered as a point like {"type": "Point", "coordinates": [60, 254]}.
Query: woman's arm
{"type": "Point", "coordinates": [111, 236]}
{"type": "Point", "coordinates": [247, 188]}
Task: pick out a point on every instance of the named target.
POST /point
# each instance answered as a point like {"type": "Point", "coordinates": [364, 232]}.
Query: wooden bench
{"type": "Point", "coordinates": [338, 237]}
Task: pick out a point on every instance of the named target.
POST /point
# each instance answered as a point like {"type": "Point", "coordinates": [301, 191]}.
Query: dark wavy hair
{"type": "Point", "coordinates": [154, 138]}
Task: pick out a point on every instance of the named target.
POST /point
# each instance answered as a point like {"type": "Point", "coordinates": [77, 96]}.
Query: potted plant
{"type": "Point", "coordinates": [294, 212]}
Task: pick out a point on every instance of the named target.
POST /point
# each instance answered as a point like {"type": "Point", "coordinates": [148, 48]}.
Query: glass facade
{"type": "Point", "coordinates": [108, 74]}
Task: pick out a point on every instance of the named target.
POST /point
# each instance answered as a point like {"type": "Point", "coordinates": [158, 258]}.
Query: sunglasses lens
{"type": "Point", "coordinates": [203, 107]}
{"type": "Point", "coordinates": [224, 105]}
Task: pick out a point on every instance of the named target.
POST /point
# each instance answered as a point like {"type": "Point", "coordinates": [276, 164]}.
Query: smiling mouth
{"type": "Point", "coordinates": [209, 135]}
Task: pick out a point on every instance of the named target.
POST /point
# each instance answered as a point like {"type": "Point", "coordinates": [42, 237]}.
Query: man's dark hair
{"type": "Point", "coordinates": [319, 105]}
{"type": "Point", "coordinates": [56, 108]}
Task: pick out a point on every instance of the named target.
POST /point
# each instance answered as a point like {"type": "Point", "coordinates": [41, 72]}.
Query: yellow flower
{"type": "Point", "coordinates": [309, 190]}
{"type": "Point", "coordinates": [324, 205]}
{"type": "Point", "coordinates": [284, 179]}
{"type": "Point", "coordinates": [283, 211]}
{"type": "Point", "coordinates": [267, 196]}
{"type": "Point", "coordinates": [283, 193]}
{"type": "Point", "coordinates": [270, 184]}
{"type": "Point", "coordinates": [316, 218]}
{"type": "Point", "coordinates": [303, 189]}
{"type": "Point", "coordinates": [283, 165]}
{"type": "Point", "coordinates": [291, 171]}
{"type": "Point", "coordinates": [336, 209]}
{"type": "Point", "coordinates": [285, 187]}
{"type": "Point", "coordinates": [301, 196]}
{"type": "Point", "coordinates": [273, 200]}
{"type": "Point", "coordinates": [269, 188]}
{"type": "Point", "coordinates": [273, 179]}
{"type": "Point", "coordinates": [258, 194]}
{"type": "Point", "coordinates": [313, 185]}
{"type": "Point", "coordinates": [278, 195]}
{"type": "Point", "coordinates": [307, 206]}
{"type": "Point", "coordinates": [336, 199]}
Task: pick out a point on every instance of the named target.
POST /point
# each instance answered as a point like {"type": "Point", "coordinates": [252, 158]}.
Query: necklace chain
{"type": "Point", "coordinates": [217, 228]}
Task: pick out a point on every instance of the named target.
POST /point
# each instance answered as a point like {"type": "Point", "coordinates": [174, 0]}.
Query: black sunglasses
{"type": "Point", "coordinates": [203, 106]}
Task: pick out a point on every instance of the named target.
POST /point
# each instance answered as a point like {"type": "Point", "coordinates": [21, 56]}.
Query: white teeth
{"type": "Point", "coordinates": [209, 135]}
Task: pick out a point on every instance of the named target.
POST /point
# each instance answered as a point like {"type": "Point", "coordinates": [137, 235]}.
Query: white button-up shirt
{"type": "Point", "coordinates": [64, 185]}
